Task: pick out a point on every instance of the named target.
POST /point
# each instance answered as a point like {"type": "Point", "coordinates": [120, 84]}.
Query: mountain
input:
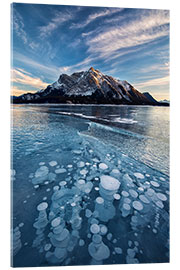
{"type": "Point", "coordinates": [149, 97]}
{"type": "Point", "coordinates": [88, 87]}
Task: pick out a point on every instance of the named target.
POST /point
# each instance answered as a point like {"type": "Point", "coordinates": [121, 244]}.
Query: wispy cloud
{"type": "Point", "coordinates": [23, 78]}
{"type": "Point", "coordinates": [51, 71]}
{"type": "Point", "coordinates": [154, 82]}
{"type": "Point", "coordinates": [18, 26]}
{"type": "Point", "coordinates": [142, 30]}
{"type": "Point", "coordinates": [16, 91]}
{"type": "Point", "coordinates": [58, 19]}
{"type": "Point", "coordinates": [96, 15]}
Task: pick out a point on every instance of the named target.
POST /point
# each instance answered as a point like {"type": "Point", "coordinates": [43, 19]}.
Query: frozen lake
{"type": "Point", "coordinates": [92, 177]}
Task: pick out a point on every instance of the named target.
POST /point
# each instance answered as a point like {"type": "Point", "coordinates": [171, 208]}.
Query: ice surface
{"type": "Point", "coordinates": [98, 199]}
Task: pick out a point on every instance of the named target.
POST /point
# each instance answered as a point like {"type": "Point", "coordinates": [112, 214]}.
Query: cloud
{"type": "Point", "coordinates": [139, 31]}
{"type": "Point", "coordinates": [162, 81]}
{"type": "Point", "coordinates": [15, 91]}
{"type": "Point", "coordinates": [18, 26]}
{"type": "Point", "coordinates": [96, 15]}
{"type": "Point", "coordinates": [51, 71]}
{"type": "Point", "coordinates": [23, 78]}
{"type": "Point", "coordinates": [58, 19]}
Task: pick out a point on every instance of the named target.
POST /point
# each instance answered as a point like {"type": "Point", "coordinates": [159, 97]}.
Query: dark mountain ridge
{"type": "Point", "coordinates": [88, 87]}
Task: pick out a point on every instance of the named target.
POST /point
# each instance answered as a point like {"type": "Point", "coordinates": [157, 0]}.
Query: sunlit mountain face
{"type": "Point", "coordinates": [128, 44]}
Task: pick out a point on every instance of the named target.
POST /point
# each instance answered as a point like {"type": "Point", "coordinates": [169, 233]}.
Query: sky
{"type": "Point", "coordinates": [128, 44]}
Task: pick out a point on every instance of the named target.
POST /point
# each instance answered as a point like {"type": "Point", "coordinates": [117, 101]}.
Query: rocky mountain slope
{"type": "Point", "coordinates": [88, 87]}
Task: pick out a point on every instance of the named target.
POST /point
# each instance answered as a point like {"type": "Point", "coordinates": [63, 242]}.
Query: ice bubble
{"type": "Point", "coordinates": [42, 171]}
{"type": "Point", "coordinates": [141, 189]}
{"type": "Point", "coordinates": [139, 175]}
{"type": "Point", "coordinates": [100, 253]}
{"type": "Point", "coordinates": [47, 247]}
{"type": "Point", "coordinates": [62, 183]}
{"type": "Point", "coordinates": [96, 178]}
{"type": "Point", "coordinates": [131, 252]}
{"type": "Point", "coordinates": [88, 213]}
{"type": "Point", "coordinates": [161, 196]}
{"type": "Point", "coordinates": [103, 166]}
{"type": "Point", "coordinates": [118, 250]}
{"type": "Point", "coordinates": [62, 236]}
{"type": "Point", "coordinates": [116, 196]}
{"type": "Point", "coordinates": [21, 224]}
{"type": "Point", "coordinates": [99, 200]}
{"type": "Point", "coordinates": [81, 164]}
{"type": "Point", "coordinates": [136, 243]}
{"type": "Point", "coordinates": [150, 192]}
{"type": "Point", "coordinates": [96, 188]}
{"type": "Point", "coordinates": [154, 231]}
{"type": "Point", "coordinates": [97, 239]}
{"type": "Point", "coordinates": [46, 182]}
{"type": "Point", "coordinates": [13, 172]}
{"type": "Point", "coordinates": [94, 221]}
{"type": "Point", "coordinates": [60, 253]}
{"type": "Point", "coordinates": [127, 200]}
{"type": "Point", "coordinates": [162, 178]}
{"type": "Point", "coordinates": [42, 206]}
{"type": "Point", "coordinates": [126, 206]}
{"type": "Point", "coordinates": [133, 193]}
{"type": "Point", "coordinates": [83, 172]}
{"type": "Point", "coordinates": [51, 177]}
{"type": "Point", "coordinates": [36, 186]}
{"type": "Point", "coordinates": [154, 183]}
{"type": "Point", "coordinates": [77, 152]}
{"type": "Point", "coordinates": [124, 193]}
{"type": "Point", "coordinates": [58, 229]}
{"type": "Point", "coordinates": [55, 222]}
{"type": "Point", "coordinates": [56, 188]}
{"type": "Point", "coordinates": [147, 175]}
{"type": "Point", "coordinates": [95, 228]}
{"type": "Point", "coordinates": [109, 182]}
{"type": "Point", "coordinates": [109, 236]}
{"type": "Point", "coordinates": [73, 204]}
{"type": "Point", "coordinates": [89, 235]}
{"type": "Point", "coordinates": [103, 229]}
{"type": "Point", "coordinates": [81, 242]}
{"type": "Point", "coordinates": [159, 204]}
{"type": "Point", "coordinates": [48, 189]}
{"type": "Point", "coordinates": [31, 175]}
{"type": "Point", "coordinates": [81, 182]}
{"type": "Point", "coordinates": [144, 199]}
{"type": "Point", "coordinates": [41, 163]}
{"type": "Point", "coordinates": [129, 243]}
{"type": "Point", "coordinates": [53, 163]}
{"type": "Point", "coordinates": [69, 166]}
{"type": "Point", "coordinates": [137, 205]}
{"type": "Point", "coordinates": [61, 170]}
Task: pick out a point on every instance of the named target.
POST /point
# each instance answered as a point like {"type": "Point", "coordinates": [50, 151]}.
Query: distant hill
{"type": "Point", "coordinates": [88, 87]}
